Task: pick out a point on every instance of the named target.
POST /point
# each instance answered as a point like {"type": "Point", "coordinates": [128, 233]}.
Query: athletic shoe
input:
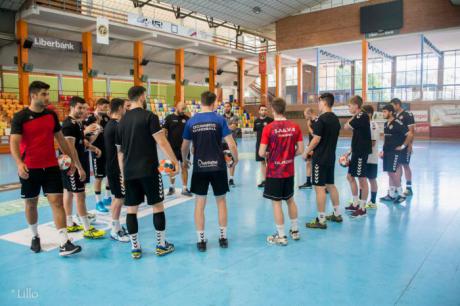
{"type": "Point", "coordinates": [231, 183]}
{"type": "Point", "coordinates": [201, 245]}
{"type": "Point", "coordinates": [295, 235]}
{"type": "Point", "coordinates": [91, 218]}
{"type": "Point", "coordinates": [399, 199]}
{"type": "Point", "coordinates": [171, 191]}
{"type": "Point", "coordinates": [121, 235]}
{"type": "Point", "coordinates": [136, 253]}
{"type": "Point", "coordinates": [306, 185]}
{"type": "Point", "coordinates": [332, 217]}
{"type": "Point", "coordinates": [107, 201]}
{"type": "Point", "coordinates": [261, 185]}
{"type": "Point", "coordinates": [187, 193]}
{"type": "Point", "coordinates": [351, 208]}
{"type": "Point", "coordinates": [371, 205]}
{"type": "Point", "coordinates": [35, 245]}
{"type": "Point", "coordinates": [100, 207]}
{"type": "Point", "coordinates": [74, 228]}
{"type": "Point", "coordinates": [387, 198]}
{"type": "Point", "coordinates": [276, 239]}
{"type": "Point", "coordinates": [69, 249]}
{"type": "Point", "coordinates": [408, 192]}
{"type": "Point", "coordinates": [316, 224]}
{"type": "Point", "coordinates": [163, 250]}
{"type": "Point", "coordinates": [223, 243]}
{"type": "Point", "coordinates": [93, 233]}
{"type": "Point", "coordinates": [359, 213]}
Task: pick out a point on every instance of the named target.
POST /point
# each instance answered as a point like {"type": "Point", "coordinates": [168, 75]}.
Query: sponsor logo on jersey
{"type": "Point", "coordinates": [207, 164]}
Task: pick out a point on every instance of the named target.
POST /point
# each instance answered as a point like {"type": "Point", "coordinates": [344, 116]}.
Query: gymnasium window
{"type": "Point", "coordinates": [451, 88]}
{"type": "Point", "coordinates": [335, 76]}
{"type": "Point", "coordinates": [291, 76]}
{"type": "Point", "coordinates": [378, 79]}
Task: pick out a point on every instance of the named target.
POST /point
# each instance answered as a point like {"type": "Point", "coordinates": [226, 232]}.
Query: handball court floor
{"type": "Point", "coordinates": [405, 254]}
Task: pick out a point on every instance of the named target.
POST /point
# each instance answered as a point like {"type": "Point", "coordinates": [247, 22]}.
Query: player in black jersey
{"type": "Point", "coordinates": [408, 120]}
{"type": "Point", "coordinates": [174, 127]}
{"type": "Point", "coordinates": [361, 147]}
{"type": "Point", "coordinates": [112, 168]}
{"type": "Point", "coordinates": [259, 125]}
{"type": "Point", "coordinates": [139, 132]}
{"type": "Point", "coordinates": [99, 119]}
{"type": "Point", "coordinates": [74, 184]}
{"type": "Point", "coordinates": [397, 138]}
{"type": "Point", "coordinates": [310, 115]}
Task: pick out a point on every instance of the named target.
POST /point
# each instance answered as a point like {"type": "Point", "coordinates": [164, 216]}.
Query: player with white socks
{"type": "Point", "coordinates": [117, 110]}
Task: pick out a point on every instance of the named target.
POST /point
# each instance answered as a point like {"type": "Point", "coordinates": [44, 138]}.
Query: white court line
{"type": "Point", "coordinates": [49, 237]}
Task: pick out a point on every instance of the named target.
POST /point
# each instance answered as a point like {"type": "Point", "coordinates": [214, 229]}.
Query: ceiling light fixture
{"type": "Point", "coordinates": [256, 10]}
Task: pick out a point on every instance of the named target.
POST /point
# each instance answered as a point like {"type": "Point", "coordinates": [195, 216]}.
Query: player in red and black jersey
{"type": "Point", "coordinates": [283, 140]}
{"type": "Point", "coordinates": [407, 118]}
{"type": "Point", "coordinates": [33, 132]}
{"type": "Point", "coordinates": [326, 129]}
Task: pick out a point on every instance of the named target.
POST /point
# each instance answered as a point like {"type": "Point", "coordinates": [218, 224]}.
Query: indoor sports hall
{"type": "Point", "coordinates": [259, 86]}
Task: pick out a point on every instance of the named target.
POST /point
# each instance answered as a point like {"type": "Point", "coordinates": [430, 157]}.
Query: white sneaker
{"type": "Point", "coordinates": [295, 235]}
{"type": "Point", "coordinates": [275, 239]}
{"type": "Point", "coordinates": [121, 235]}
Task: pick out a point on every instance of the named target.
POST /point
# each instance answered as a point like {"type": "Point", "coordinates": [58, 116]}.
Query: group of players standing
{"type": "Point", "coordinates": [122, 137]}
{"type": "Point", "coordinates": [279, 141]}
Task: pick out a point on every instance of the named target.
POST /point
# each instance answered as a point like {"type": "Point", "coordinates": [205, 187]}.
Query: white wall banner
{"type": "Point", "coordinates": [102, 29]}
{"type": "Point", "coordinates": [445, 115]}
{"type": "Point", "coordinates": [151, 23]}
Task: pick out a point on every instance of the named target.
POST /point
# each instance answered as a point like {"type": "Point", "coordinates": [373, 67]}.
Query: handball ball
{"type": "Point", "coordinates": [166, 167]}
{"type": "Point", "coordinates": [344, 161]}
{"type": "Point", "coordinates": [64, 162]}
{"type": "Point", "coordinates": [228, 158]}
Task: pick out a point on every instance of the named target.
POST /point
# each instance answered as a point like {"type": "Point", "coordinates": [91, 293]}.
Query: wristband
{"type": "Point", "coordinates": [403, 146]}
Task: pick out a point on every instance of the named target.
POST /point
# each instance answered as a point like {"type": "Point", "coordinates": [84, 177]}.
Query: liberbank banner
{"type": "Point", "coordinates": [56, 44]}
{"type": "Point", "coordinates": [150, 23]}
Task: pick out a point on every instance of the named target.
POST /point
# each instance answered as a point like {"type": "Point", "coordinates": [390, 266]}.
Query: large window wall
{"type": "Point", "coordinates": [441, 77]}
{"type": "Point", "coordinates": [451, 75]}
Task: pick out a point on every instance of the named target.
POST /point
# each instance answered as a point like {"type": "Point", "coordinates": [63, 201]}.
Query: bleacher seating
{"type": "Point", "coordinates": [9, 105]}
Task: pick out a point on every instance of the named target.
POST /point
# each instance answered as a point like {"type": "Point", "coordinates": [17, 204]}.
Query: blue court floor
{"type": "Point", "coordinates": [405, 254]}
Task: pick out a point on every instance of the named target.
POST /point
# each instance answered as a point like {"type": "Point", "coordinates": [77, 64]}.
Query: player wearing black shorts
{"type": "Point", "coordinates": [206, 130]}
{"type": "Point", "coordinates": [326, 129]}
{"type": "Point", "coordinates": [174, 128]}
{"type": "Point", "coordinates": [281, 142]}
{"type": "Point", "coordinates": [309, 115]}
{"type": "Point", "coordinates": [259, 124]}
{"type": "Point", "coordinates": [361, 147]}
{"type": "Point", "coordinates": [112, 168]}
{"type": "Point", "coordinates": [232, 123]}
{"type": "Point", "coordinates": [74, 184]}
{"type": "Point", "coordinates": [99, 118]}
{"type": "Point", "coordinates": [33, 132]}
{"type": "Point", "coordinates": [139, 132]}
{"type": "Point", "coordinates": [397, 138]}
{"type": "Point", "coordinates": [407, 118]}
